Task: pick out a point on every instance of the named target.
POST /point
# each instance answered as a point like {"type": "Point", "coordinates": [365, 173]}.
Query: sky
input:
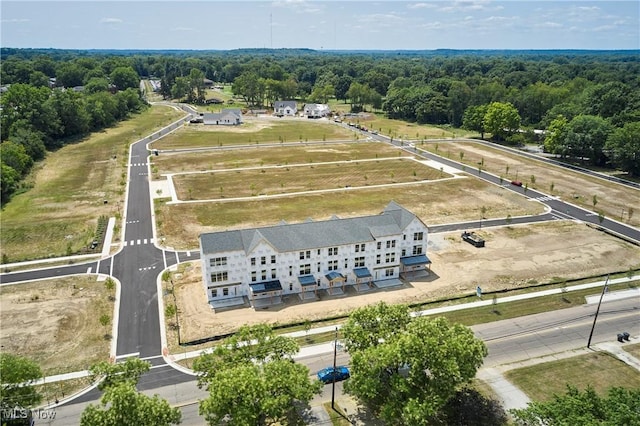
{"type": "Point", "coordinates": [321, 25]}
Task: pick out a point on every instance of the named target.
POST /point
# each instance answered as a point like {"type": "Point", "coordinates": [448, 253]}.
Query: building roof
{"type": "Point", "coordinates": [284, 104]}
{"type": "Point", "coordinates": [307, 280]}
{"type": "Point", "coordinates": [231, 114]}
{"type": "Point", "coordinates": [310, 235]}
{"type": "Point", "coordinates": [362, 272]}
{"type": "Point", "coordinates": [265, 287]}
{"type": "Point", "coordinates": [419, 259]}
{"type": "Point", "coordinates": [334, 276]}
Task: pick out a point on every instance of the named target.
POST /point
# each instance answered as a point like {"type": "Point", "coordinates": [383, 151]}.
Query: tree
{"type": "Point", "coordinates": [473, 119]}
{"type": "Point", "coordinates": [586, 136]}
{"type": "Point", "coordinates": [17, 382]}
{"type": "Point", "coordinates": [623, 145]}
{"type": "Point", "coordinates": [368, 327]}
{"type": "Point", "coordinates": [502, 120]}
{"type": "Point", "coordinates": [122, 404]}
{"type": "Point", "coordinates": [196, 83]}
{"type": "Point", "coordinates": [619, 407]}
{"type": "Point", "coordinates": [124, 78]}
{"type": "Point", "coordinates": [555, 137]}
{"type": "Point", "coordinates": [251, 379]}
{"type": "Point", "coordinates": [407, 375]}
{"type": "Point", "coordinates": [469, 407]}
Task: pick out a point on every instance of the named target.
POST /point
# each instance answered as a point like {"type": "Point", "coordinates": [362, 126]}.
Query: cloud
{"type": "Point", "coordinates": [465, 6]}
{"type": "Point", "coordinates": [111, 21]}
{"type": "Point", "coordinates": [381, 19]}
{"type": "Point", "coordinates": [421, 6]}
{"type": "Point", "coordinates": [15, 21]}
{"type": "Point", "coordinates": [299, 6]}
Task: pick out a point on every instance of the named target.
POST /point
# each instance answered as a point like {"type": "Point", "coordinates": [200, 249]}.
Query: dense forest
{"type": "Point", "coordinates": [587, 101]}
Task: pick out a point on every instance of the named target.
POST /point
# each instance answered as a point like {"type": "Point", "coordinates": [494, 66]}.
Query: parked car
{"type": "Point", "coordinates": [329, 374]}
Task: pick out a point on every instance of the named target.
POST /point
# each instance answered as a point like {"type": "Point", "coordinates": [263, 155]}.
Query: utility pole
{"type": "Point", "coordinates": [604, 290]}
{"type": "Point", "coordinates": [333, 382]}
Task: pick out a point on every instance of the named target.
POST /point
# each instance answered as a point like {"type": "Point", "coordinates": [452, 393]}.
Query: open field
{"type": "Point", "coordinates": [612, 199]}
{"type": "Point", "coordinates": [254, 131]}
{"type": "Point", "coordinates": [254, 156]}
{"type": "Point", "coordinates": [633, 349]}
{"type": "Point", "coordinates": [56, 322]}
{"type": "Point", "coordinates": [514, 257]}
{"type": "Point", "coordinates": [250, 182]}
{"type": "Point", "coordinates": [599, 370]}
{"type": "Point", "coordinates": [404, 130]}
{"type": "Point", "coordinates": [59, 214]}
{"type": "Point", "coordinates": [435, 202]}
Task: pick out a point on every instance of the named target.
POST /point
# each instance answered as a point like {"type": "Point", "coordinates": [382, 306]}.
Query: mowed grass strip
{"type": "Point", "coordinates": [300, 178]}
{"type": "Point", "coordinates": [254, 131]}
{"type": "Point", "coordinates": [59, 214]}
{"type": "Point", "coordinates": [599, 370]}
{"type": "Point", "coordinates": [271, 156]}
{"type": "Point", "coordinates": [445, 201]}
{"type": "Point", "coordinates": [612, 199]}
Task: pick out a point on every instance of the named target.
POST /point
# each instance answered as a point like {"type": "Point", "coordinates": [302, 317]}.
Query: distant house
{"type": "Point", "coordinates": [289, 108]}
{"type": "Point", "coordinates": [227, 117]}
{"type": "Point", "coordinates": [207, 82]}
{"type": "Point", "coordinates": [316, 110]}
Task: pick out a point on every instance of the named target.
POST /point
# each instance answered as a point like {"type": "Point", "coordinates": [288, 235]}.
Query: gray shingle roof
{"type": "Point", "coordinates": [311, 235]}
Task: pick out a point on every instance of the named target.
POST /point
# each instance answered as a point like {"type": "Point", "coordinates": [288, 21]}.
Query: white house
{"type": "Point", "coordinates": [227, 117]}
{"type": "Point", "coordinates": [316, 110]}
{"type": "Point", "coordinates": [289, 108]}
{"type": "Point", "coordinates": [263, 264]}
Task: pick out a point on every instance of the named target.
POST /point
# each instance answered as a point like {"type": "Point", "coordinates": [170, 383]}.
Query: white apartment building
{"type": "Point", "coordinates": [260, 265]}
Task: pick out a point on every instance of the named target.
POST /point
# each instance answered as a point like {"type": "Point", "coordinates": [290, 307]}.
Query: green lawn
{"type": "Point", "coordinates": [58, 216]}
{"type": "Point", "coordinates": [599, 370]}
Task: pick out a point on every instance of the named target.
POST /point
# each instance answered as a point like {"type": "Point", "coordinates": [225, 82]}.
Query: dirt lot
{"type": "Point", "coordinates": [514, 256]}
{"type": "Point", "coordinates": [56, 322]}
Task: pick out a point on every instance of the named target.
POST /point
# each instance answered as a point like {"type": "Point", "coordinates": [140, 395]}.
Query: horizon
{"type": "Point", "coordinates": [321, 25]}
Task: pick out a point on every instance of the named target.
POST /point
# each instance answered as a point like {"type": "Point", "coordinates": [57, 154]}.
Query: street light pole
{"type": "Point", "coordinates": [604, 289]}
{"type": "Point", "coordinates": [333, 382]}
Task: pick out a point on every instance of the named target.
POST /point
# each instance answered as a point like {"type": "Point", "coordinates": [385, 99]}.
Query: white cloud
{"type": "Point", "coordinates": [465, 6]}
{"type": "Point", "coordinates": [381, 19]}
{"type": "Point", "coordinates": [15, 20]}
{"type": "Point", "coordinates": [421, 6]}
{"type": "Point", "coordinates": [548, 24]}
{"type": "Point", "coordinates": [111, 21]}
{"type": "Point", "coordinates": [604, 28]}
{"type": "Point", "coordinates": [299, 6]}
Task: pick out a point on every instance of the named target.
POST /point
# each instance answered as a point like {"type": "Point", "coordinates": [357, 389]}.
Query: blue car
{"type": "Point", "coordinates": [330, 375]}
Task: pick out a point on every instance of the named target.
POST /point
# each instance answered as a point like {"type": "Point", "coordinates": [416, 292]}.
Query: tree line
{"type": "Point", "coordinates": [47, 106]}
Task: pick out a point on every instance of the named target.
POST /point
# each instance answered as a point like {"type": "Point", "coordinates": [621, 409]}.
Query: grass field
{"type": "Point", "coordinates": [292, 179]}
{"type": "Point", "coordinates": [58, 216]}
{"type": "Point", "coordinates": [599, 195]}
{"type": "Point", "coordinates": [257, 155]}
{"type": "Point", "coordinates": [254, 131]}
{"type": "Point", "coordinates": [435, 202]}
{"type": "Point", "coordinates": [599, 370]}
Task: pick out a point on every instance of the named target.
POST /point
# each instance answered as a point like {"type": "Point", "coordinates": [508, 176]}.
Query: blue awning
{"type": "Point", "coordinates": [420, 259]}
{"type": "Point", "coordinates": [333, 275]}
{"type": "Point", "coordinates": [307, 280]}
{"type": "Point", "coordinates": [362, 272]}
{"type": "Point", "coordinates": [265, 286]}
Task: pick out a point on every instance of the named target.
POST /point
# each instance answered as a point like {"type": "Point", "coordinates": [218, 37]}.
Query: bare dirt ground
{"type": "Point", "coordinates": [56, 322]}
{"type": "Point", "coordinates": [514, 256]}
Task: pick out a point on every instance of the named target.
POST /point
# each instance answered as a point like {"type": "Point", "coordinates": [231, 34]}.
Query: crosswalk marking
{"type": "Point", "coordinates": [139, 242]}
{"type": "Point", "coordinates": [545, 198]}
{"type": "Point", "coordinates": [147, 268]}
{"type": "Point", "coordinates": [139, 164]}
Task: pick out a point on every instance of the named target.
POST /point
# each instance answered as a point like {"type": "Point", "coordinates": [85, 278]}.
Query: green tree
{"type": "Point", "coordinates": [502, 120]}
{"type": "Point", "coordinates": [619, 407]}
{"type": "Point", "coordinates": [406, 376]}
{"type": "Point", "coordinates": [17, 382]}
{"type": "Point", "coordinates": [122, 404]}
{"type": "Point", "coordinates": [586, 136]}
{"type": "Point", "coordinates": [555, 137]}
{"type": "Point", "coordinates": [122, 372]}
{"type": "Point", "coordinates": [623, 145]}
{"type": "Point", "coordinates": [369, 326]}
{"type": "Point", "coordinates": [252, 380]}
{"type": "Point", "coordinates": [196, 84]}
{"type": "Point", "coordinates": [125, 78]}
{"type": "Point", "coordinates": [473, 119]}
{"type": "Point", "coordinates": [15, 156]}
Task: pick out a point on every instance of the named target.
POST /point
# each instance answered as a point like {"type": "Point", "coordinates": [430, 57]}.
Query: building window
{"type": "Point", "coordinates": [253, 261]}
{"type": "Point", "coordinates": [273, 274]}
{"type": "Point", "coordinates": [214, 292]}
{"type": "Point", "coordinates": [360, 248]}
{"type": "Point", "coordinates": [379, 245]}
{"type": "Point", "coordinates": [417, 250]}
{"type": "Point", "coordinates": [290, 270]}
{"type": "Point", "coordinates": [318, 252]}
{"type": "Point", "coordinates": [391, 244]}
{"type": "Point", "coordinates": [263, 260]}
{"type": "Point", "coordinates": [318, 266]}
{"type": "Point", "coordinates": [305, 269]}
{"type": "Point", "coordinates": [273, 258]}
{"type": "Point", "coordinates": [254, 276]}
{"type": "Point", "coordinates": [388, 272]}
{"type": "Point", "coordinates": [389, 257]}
{"type": "Point", "coordinates": [358, 262]}
{"type": "Point", "coordinates": [225, 291]}
{"type": "Point", "coordinates": [333, 251]}
{"type": "Point", "coordinates": [346, 263]}
{"type": "Point", "coordinates": [219, 276]}
{"type": "Point", "coordinates": [290, 286]}
{"type": "Point", "coordinates": [404, 253]}
{"type": "Point", "coordinates": [377, 259]}
{"type": "Point", "coordinates": [305, 254]}
{"type": "Point", "coordinates": [264, 274]}
{"type": "Point", "coordinates": [218, 261]}
{"type": "Point", "coordinates": [333, 265]}
{"type": "Point", "coordinates": [418, 236]}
